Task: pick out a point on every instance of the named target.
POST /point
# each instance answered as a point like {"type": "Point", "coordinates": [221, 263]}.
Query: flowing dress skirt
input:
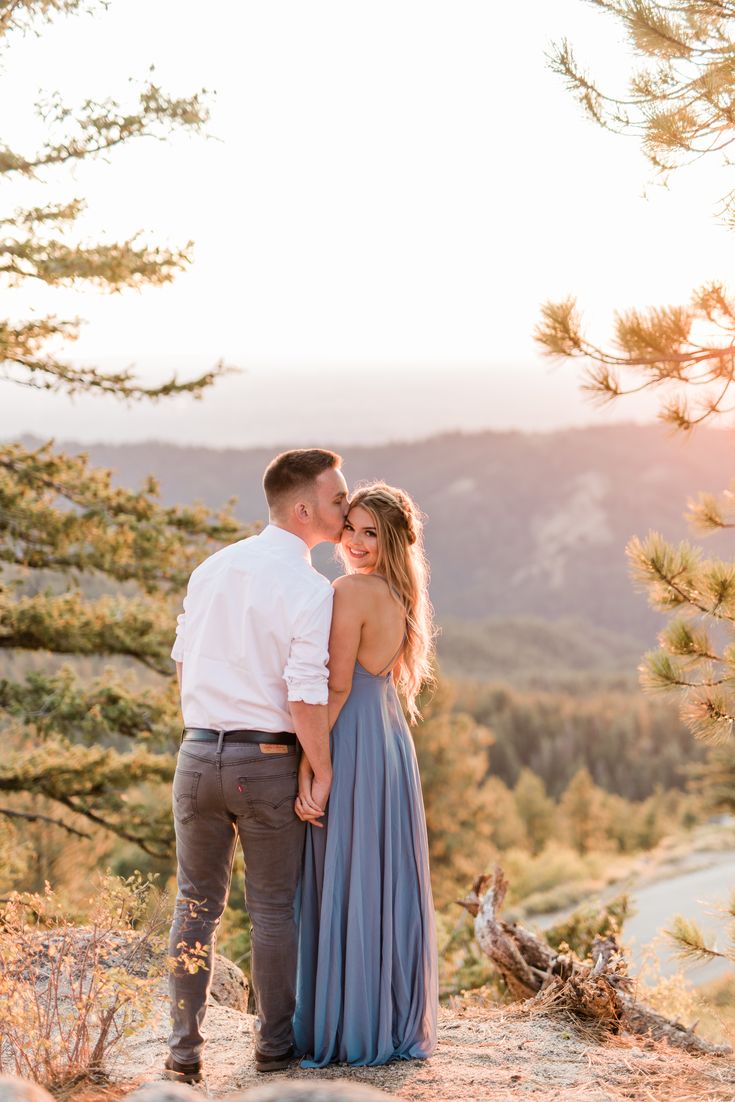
{"type": "Point", "coordinates": [367, 976]}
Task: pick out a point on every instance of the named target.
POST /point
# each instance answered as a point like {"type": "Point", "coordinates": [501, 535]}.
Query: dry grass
{"type": "Point", "coordinates": [554, 1057]}
{"type": "Point", "coordinates": [69, 995]}
{"type": "Point", "coordinates": [501, 1054]}
{"type": "Point", "coordinates": [95, 1092]}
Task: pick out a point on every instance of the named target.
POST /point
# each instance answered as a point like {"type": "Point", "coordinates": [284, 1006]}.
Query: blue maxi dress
{"type": "Point", "coordinates": [367, 986]}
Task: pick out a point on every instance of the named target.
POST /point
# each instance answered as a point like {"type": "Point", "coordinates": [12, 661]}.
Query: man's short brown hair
{"type": "Point", "coordinates": [293, 470]}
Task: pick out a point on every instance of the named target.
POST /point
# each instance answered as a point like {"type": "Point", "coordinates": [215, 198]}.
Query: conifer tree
{"type": "Point", "coordinates": [87, 568]}
{"type": "Point", "coordinates": [452, 752]}
{"type": "Point", "coordinates": [713, 780]}
{"type": "Point", "coordinates": [679, 104]}
{"type": "Point", "coordinates": [582, 807]}
{"type": "Point", "coordinates": [536, 809]}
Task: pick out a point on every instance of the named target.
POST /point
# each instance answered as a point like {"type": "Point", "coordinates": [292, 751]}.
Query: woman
{"type": "Point", "coordinates": [367, 982]}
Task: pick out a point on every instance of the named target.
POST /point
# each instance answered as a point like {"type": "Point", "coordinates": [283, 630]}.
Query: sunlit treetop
{"type": "Point", "coordinates": [680, 106]}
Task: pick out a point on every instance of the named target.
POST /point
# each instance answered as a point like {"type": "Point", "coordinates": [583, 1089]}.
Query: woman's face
{"type": "Point", "coordinates": [360, 540]}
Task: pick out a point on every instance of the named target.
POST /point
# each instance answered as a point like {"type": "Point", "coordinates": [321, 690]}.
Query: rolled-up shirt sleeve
{"type": "Point", "coordinates": [177, 651]}
{"type": "Point", "coordinates": [306, 673]}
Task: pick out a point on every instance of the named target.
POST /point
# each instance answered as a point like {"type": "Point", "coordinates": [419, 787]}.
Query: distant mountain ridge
{"type": "Point", "coordinates": [518, 524]}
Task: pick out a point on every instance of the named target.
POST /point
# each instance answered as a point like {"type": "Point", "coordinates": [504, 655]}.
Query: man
{"type": "Point", "coordinates": [251, 658]}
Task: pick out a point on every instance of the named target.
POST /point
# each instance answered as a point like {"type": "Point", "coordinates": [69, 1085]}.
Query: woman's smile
{"type": "Point", "coordinates": [360, 525]}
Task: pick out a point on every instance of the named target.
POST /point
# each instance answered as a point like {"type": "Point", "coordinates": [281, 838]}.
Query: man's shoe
{"type": "Point", "coordinates": [265, 1063]}
{"type": "Point", "coordinates": [182, 1073]}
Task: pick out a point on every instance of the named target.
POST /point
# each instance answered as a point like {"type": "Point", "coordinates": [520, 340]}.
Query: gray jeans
{"type": "Point", "coordinates": [247, 793]}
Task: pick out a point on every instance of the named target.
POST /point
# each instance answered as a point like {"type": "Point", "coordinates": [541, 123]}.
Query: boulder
{"type": "Point", "coordinates": [291, 1090]}
{"type": "Point", "coordinates": [164, 1092]}
{"type": "Point", "coordinates": [21, 1090]}
{"type": "Point", "coordinates": [229, 985]}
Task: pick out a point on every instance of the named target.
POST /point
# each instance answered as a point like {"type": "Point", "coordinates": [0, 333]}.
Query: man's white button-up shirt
{"type": "Point", "coordinates": [253, 635]}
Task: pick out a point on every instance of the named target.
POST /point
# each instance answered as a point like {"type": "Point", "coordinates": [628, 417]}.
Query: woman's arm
{"type": "Point", "coordinates": [348, 617]}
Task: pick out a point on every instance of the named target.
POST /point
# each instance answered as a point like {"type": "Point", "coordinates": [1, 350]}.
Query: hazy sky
{"type": "Point", "coordinates": [390, 192]}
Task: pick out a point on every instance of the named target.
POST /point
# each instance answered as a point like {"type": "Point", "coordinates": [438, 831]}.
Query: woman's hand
{"type": "Point", "coordinates": [307, 806]}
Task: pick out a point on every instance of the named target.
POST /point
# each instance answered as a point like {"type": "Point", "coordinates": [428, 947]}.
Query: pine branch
{"type": "Point", "coordinates": [150, 836]}
{"type": "Point", "coordinates": [36, 817]}
{"type": "Point", "coordinates": [57, 213]}
{"type": "Point", "coordinates": [659, 673]}
{"type": "Point", "coordinates": [680, 107]}
{"type": "Point", "coordinates": [710, 513]}
{"type": "Point", "coordinates": [680, 638]}
{"type": "Point", "coordinates": [126, 535]}
{"type": "Point", "coordinates": [25, 361]}
{"type": "Point", "coordinates": [709, 712]}
{"type": "Point", "coordinates": [69, 624]}
{"type": "Point", "coordinates": [653, 349]}
{"type": "Point", "coordinates": [99, 127]}
{"type": "Point", "coordinates": [691, 943]}
{"type": "Point", "coordinates": [678, 104]}
{"type": "Point", "coordinates": [23, 15]}
{"type": "Point", "coordinates": [92, 782]}
{"type": "Point", "coordinates": [717, 581]}
{"type": "Point", "coordinates": [59, 705]}
{"type": "Point", "coordinates": [668, 573]}
{"type": "Point", "coordinates": [111, 267]}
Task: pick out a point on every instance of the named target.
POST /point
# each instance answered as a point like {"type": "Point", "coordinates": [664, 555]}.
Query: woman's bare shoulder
{"type": "Point", "coordinates": [357, 587]}
{"type": "Point", "coordinates": [348, 583]}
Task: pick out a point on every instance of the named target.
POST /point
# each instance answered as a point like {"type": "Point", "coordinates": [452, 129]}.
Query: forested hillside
{"type": "Point", "coordinates": [518, 525]}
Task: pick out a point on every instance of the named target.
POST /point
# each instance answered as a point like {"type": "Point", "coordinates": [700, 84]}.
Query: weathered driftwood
{"type": "Point", "coordinates": [598, 991]}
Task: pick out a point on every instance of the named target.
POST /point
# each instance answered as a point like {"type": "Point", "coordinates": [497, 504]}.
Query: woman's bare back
{"type": "Point", "coordinates": [383, 629]}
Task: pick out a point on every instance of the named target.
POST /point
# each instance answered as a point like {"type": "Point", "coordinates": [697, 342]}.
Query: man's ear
{"type": "Point", "coordinates": [302, 512]}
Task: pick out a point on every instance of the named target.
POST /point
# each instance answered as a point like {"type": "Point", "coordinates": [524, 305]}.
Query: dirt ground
{"type": "Point", "coordinates": [498, 1054]}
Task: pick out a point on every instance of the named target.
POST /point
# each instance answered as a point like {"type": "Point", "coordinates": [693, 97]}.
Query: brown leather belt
{"type": "Point", "coordinates": [208, 734]}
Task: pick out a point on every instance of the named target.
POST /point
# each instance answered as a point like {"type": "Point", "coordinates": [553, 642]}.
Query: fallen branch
{"type": "Point", "coordinates": [599, 990]}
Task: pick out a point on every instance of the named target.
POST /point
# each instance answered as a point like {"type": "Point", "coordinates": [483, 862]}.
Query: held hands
{"type": "Point", "coordinates": [313, 794]}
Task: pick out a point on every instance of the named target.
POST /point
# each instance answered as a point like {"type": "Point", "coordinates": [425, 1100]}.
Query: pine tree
{"type": "Point", "coordinates": [87, 568]}
{"type": "Point", "coordinates": [713, 780]}
{"type": "Point", "coordinates": [452, 751]}
{"type": "Point", "coordinates": [536, 809]}
{"type": "Point", "coordinates": [582, 809]}
{"type": "Point", "coordinates": [680, 106]}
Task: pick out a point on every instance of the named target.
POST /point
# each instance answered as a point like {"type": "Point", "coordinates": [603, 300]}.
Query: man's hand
{"type": "Point", "coordinates": [313, 794]}
{"type": "Point", "coordinates": [311, 723]}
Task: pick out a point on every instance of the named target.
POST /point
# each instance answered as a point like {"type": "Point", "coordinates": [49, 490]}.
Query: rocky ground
{"type": "Point", "coordinates": [489, 1053]}
{"type": "Point", "coordinates": [500, 1054]}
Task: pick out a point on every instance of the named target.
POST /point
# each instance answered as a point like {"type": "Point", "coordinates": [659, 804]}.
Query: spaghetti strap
{"type": "Point", "coordinates": [395, 657]}
{"type": "Point", "coordinates": [392, 588]}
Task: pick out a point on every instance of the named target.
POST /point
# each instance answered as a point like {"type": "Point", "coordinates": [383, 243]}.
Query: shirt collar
{"type": "Point", "coordinates": [286, 541]}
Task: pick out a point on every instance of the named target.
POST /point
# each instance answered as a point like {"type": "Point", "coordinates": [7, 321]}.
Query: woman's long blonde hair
{"type": "Point", "coordinates": [402, 562]}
